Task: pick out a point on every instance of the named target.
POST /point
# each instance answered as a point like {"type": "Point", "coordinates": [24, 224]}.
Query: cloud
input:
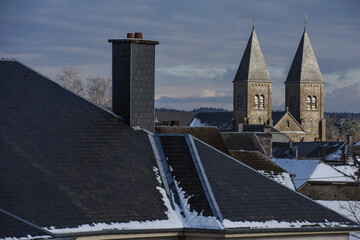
{"type": "Point", "coordinates": [346, 99]}
{"type": "Point", "coordinates": [192, 71]}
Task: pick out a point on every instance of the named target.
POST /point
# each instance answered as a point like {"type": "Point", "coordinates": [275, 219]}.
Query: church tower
{"type": "Point", "coordinates": [304, 91]}
{"type": "Point", "coordinates": [252, 97]}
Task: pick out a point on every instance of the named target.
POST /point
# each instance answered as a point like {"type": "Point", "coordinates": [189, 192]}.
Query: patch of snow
{"type": "Point", "coordinates": [349, 209]}
{"type": "Point", "coordinates": [28, 237]}
{"type": "Point", "coordinates": [337, 155]}
{"type": "Point", "coordinates": [357, 143]}
{"type": "Point", "coordinates": [193, 219]}
{"type": "Point", "coordinates": [284, 178]}
{"type": "Point", "coordinates": [354, 236]}
{"type": "Point", "coordinates": [348, 170]}
{"type": "Point", "coordinates": [282, 224]}
{"type": "Point", "coordinates": [301, 169]}
{"type": "Point", "coordinates": [197, 123]}
{"type": "Point", "coordinates": [326, 173]}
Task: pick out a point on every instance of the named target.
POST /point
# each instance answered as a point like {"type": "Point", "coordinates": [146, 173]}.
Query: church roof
{"type": "Point", "coordinates": [253, 65]}
{"type": "Point", "coordinates": [304, 66]}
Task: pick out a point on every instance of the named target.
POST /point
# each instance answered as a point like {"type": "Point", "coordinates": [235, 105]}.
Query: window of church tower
{"type": "Point", "coordinates": [287, 123]}
{"type": "Point", "coordinates": [314, 103]}
{"type": "Point", "coordinates": [308, 103]}
{"type": "Point", "coordinates": [259, 120]}
{"type": "Point", "coordinates": [241, 102]}
{"type": "Point", "coordinates": [261, 105]}
{"type": "Point", "coordinates": [256, 102]}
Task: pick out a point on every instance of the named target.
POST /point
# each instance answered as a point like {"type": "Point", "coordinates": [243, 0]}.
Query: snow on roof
{"type": "Point", "coordinates": [357, 143]}
{"type": "Point", "coordinates": [284, 178]}
{"type": "Point", "coordinates": [277, 224]}
{"type": "Point", "coordinates": [301, 169]}
{"type": "Point", "coordinates": [349, 209]}
{"type": "Point", "coordinates": [326, 173]}
{"type": "Point", "coordinates": [348, 170]}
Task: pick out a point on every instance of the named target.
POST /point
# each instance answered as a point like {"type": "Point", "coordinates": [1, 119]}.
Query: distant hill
{"type": "Point", "coordinates": [201, 109]}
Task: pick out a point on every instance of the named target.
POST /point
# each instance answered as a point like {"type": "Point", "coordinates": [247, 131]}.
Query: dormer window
{"type": "Point", "coordinates": [287, 123]}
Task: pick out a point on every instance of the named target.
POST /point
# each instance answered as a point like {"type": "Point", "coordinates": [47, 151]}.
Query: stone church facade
{"type": "Point", "coordinates": [303, 119]}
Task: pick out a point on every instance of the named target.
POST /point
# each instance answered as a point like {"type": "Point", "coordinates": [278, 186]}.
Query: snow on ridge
{"type": "Point", "coordinates": [284, 178]}
{"type": "Point", "coordinates": [282, 224]}
{"type": "Point", "coordinates": [28, 237]}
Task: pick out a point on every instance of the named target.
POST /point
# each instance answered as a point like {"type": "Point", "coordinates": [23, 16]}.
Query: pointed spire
{"type": "Point", "coordinates": [304, 66]}
{"type": "Point", "coordinates": [252, 65]}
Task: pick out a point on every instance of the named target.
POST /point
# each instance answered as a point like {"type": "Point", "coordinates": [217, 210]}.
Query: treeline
{"type": "Point", "coordinates": [340, 125]}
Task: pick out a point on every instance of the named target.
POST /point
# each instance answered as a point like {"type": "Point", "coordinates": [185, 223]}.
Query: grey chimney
{"type": "Point", "coordinates": [133, 84]}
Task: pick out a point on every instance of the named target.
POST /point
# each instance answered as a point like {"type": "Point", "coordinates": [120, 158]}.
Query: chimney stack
{"type": "Point", "coordinates": [133, 80]}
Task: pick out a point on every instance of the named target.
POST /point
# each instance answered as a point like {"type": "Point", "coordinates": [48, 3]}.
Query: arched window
{"type": "Point", "coordinates": [314, 103]}
{"type": "Point", "coordinates": [241, 102]}
{"type": "Point", "coordinates": [259, 120]}
{"type": "Point", "coordinates": [261, 105]}
{"type": "Point", "coordinates": [287, 123]}
{"type": "Point", "coordinates": [256, 101]}
{"type": "Point", "coordinates": [308, 103]}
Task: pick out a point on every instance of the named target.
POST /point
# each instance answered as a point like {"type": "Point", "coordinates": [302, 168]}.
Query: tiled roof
{"type": "Point", "coordinates": [64, 161]}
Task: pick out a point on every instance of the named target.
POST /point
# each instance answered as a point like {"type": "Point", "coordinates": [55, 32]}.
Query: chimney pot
{"type": "Point", "coordinates": [138, 35]}
{"type": "Point", "coordinates": [130, 35]}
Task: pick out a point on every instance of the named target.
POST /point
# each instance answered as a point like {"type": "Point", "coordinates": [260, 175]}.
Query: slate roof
{"type": "Point", "coordinates": [252, 65]}
{"type": "Point", "coordinates": [276, 116]}
{"type": "Point", "coordinates": [210, 135]}
{"type": "Point", "coordinates": [304, 67]}
{"type": "Point", "coordinates": [256, 161]}
{"type": "Point", "coordinates": [311, 150]}
{"type": "Point", "coordinates": [221, 120]}
{"type": "Point", "coordinates": [232, 184]}
{"type": "Point", "coordinates": [242, 141]}
{"type": "Point", "coordinates": [184, 118]}
{"type": "Point", "coordinates": [65, 161]}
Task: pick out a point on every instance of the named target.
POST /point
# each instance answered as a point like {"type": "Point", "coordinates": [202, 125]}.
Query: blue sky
{"type": "Point", "coordinates": [201, 43]}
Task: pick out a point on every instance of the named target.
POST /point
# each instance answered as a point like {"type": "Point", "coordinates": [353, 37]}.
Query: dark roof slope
{"type": "Point", "coordinates": [64, 161]}
{"type": "Point", "coordinates": [257, 161]}
{"type": "Point", "coordinates": [242, 141]}
{"type": "Point", "coordinates": [233, 185]}
{"type": "Point", "coordinates": [210, 135]}
{"type": "Point", "coordinates": [221, 120]}
{"type": "Point", "coordinates": [12, 227]}
{"type": "Point", "coordinates": [179, 158]}
{"type": "Point", "coordinates": [184, 118]}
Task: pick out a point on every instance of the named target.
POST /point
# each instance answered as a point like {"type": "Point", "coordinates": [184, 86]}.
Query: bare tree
{"type": "Point", "coordinates": [70, 79]}
{"type": "Point", "coordinates": [352, 209]}
{"type": "Point", "coordinates": [99, 90]}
